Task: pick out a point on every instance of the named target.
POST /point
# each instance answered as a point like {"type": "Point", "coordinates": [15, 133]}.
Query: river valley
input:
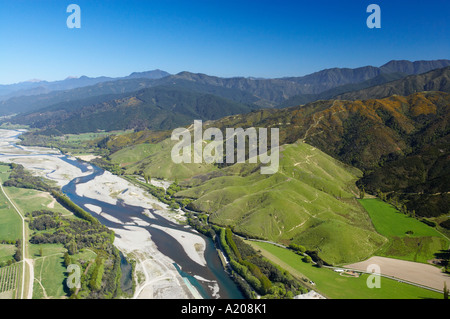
{"type": "Point", "coordinates": [173, 261]}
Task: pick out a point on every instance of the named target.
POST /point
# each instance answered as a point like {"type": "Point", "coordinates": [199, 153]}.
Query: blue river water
{"type": "Point", "coordinates": [166, 244]}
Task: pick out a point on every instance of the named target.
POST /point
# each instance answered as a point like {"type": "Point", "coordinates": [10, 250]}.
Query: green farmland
{"type": "Point", "coordinates": [49, 271]}
{"type": "Point", "coordinates": [409, 239]}
{"type": "Point", "coordinates": [10, 224]}
{"type": "Point", "coordinates": [332, 285]}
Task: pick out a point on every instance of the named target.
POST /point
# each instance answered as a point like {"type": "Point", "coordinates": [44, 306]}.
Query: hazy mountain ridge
{"type": "Point", "coordinates": [415, 67]}
{"type": "Point", "coordinates": [260, 92]}
{"type": "Point", "coordinates": [157, 108]}
{"type": "Point", "coordinates": [337, 91]}
{"type": "Point", "coordinates": [43, 87]}
{"type": "Point", "coordinates": [435, 80]}
{"type": "Point", "coordinates": [26, 104]}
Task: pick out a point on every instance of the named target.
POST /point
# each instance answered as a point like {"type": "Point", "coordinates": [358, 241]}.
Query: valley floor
{"type": "Point", "coordinates": [419, 273]}
{"type": "Point", "coordinates": [159, 278]}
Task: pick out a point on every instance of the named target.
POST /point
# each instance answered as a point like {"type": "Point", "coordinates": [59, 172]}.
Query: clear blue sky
{"type": "Point", "coordinates": [224, 38]}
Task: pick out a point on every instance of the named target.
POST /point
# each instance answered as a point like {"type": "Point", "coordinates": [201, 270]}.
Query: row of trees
{"type": "Point", "coordinates": [200, 223]}
{"type": "Point", "coordinates": [7, 242]}
{"type": "Point", "coordinates": [21, 178]}
{"type": "Point", "coordinates": [71, 206]}
{"type": "Point", "coordinates": [264, 277]}
{"type": "Point", "coordinates": [18, 254]}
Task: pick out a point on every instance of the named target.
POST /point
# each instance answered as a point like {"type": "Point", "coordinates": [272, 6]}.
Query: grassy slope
{"type": "Point", "coordinates": [155, 160]}
{"type": "Point", "coordinates": [135, 153]}
{"type": "Point", "coordinates": [10, 222]}
{"type": "Point", "coordinates": [309, 202]}
{"type": "Point", "coordinates": [389, 222]}
{"type": "Point", "coordinates": [50, 271]}
{"type": "Point", "coordinates": [6, 252]}
{"type": "Point", "coordinates": [334, 286]}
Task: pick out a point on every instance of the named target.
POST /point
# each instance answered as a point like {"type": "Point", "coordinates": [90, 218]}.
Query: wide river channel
{"type": "Point", "coordinates": [125, 214]}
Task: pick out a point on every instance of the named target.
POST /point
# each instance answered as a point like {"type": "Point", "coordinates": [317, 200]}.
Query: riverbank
{"type": "Point", "coordinates": [161, 279]}
{"type": "Point", "coordinates": [156, 276]}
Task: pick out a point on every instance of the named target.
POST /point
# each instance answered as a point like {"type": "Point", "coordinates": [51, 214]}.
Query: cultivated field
{"type": "Point", "coordinates": [332, 285]}
{"type": "Point", "coordinates": [426, 275]}
{"type": "Point", "coordinates": [9, 279]}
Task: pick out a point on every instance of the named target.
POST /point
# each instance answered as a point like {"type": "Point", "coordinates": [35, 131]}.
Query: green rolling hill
{"type": "Point", "coordinates": [398, 142]}
{"type": "Point", "coordinates": [154, 160]}
{"type": "Point", "coordinates": [310, 201]}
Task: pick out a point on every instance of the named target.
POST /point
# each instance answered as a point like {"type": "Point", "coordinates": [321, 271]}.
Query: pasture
{"type": "Point", "coordinates": [409, 239]}
{"type": "Point", "coordinates": [332, 285]}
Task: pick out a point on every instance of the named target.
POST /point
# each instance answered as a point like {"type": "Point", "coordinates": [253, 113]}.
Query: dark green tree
{"type": "Point", "coordinates": [72, 247]}
{"type": "Point", "coordinates": [446, 291]}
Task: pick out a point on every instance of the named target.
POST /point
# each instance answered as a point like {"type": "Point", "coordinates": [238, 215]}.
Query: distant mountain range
{"type": "Point", "coordinates": [436, 80]}
{"type": "Point", "coordinates": [158, 108]}
{"type": "Point", "coordinates": [281, 92]}
{"type": "Point", "coordinates": [169, 105]}
{"type": "Point", "coordinates": [38, 87]}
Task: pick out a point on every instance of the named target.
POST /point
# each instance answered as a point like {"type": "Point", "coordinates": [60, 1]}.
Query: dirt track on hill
{"type": "Point", "coordinates": [422, 274]}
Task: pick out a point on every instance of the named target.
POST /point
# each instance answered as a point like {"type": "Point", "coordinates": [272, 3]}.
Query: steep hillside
{"type": "Point", "coordinates": [400, 143]}
{"type": "Point", "coordinates": [261, 92]}
{"type": "Point", "coordinates": [158, 108]}
{"type": "Point", "coordinates": [334, 92]}
{"type": "Point", "coordinates": [154, 160]}
{"type": "Point", "coordinates": [420, 179]}
{"type": "Point", "coordinates": [436, 80]}
{"type": "Point", "coordinates": [404, 132]}
{"type": "Point", "coordinates": [308, 202]}
{"type": "Point", "coordinates": [24, 104]}
{"type": "Point", "coordinates": [273, 92]}
{"type": "Point", "coordinates": [415, 67]}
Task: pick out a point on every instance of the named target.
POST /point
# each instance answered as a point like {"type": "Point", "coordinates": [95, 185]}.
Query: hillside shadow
{"type": "Point", "coordinates": [442, 257]}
